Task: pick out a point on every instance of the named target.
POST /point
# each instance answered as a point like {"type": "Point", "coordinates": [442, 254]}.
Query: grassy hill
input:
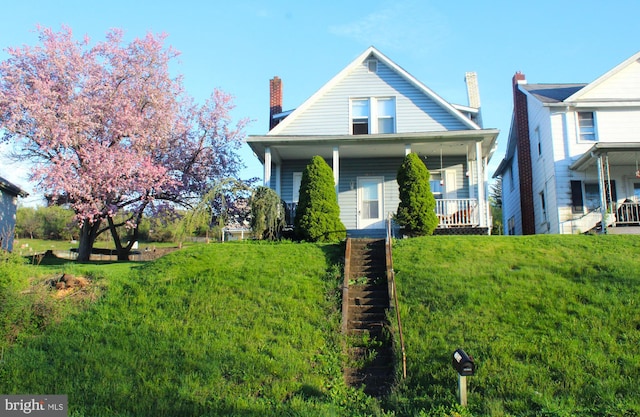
{"type": "Point", "coordinates": [552, 321]}
{"type": "Point", "coordinates": [253, 329]}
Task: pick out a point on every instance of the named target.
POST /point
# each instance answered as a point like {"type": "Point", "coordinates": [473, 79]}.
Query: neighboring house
{"type": "Point", "coordinates": [9, 194]}
{"type": "Point", "coordinates": [363, 122]}
{"type": "Point", "coordinates": [573, 155]}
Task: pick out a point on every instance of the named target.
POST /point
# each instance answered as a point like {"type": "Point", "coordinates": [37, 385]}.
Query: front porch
{"type": "Point", "coordinates": [455, 216]}
{"type": "Point", "coordinates": [610, 187]}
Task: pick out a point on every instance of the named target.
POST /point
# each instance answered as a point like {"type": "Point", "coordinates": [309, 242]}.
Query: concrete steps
{"type": "Point", "coordinates": [370, 355]}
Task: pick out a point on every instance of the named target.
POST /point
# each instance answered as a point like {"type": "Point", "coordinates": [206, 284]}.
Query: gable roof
{"type": "Point", "coordinates": [372, 51]}
{"type": "Point", "coordinates": [11, 188]}
{"type": "Point", "coordinates": [608, 75]}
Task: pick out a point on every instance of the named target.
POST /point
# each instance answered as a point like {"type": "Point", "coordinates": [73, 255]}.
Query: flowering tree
{"type": "Point", "coordinates": [110, 131]}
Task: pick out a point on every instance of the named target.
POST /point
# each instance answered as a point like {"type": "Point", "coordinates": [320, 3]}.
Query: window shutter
{"type": "Point", "coordinates": [576, 197]}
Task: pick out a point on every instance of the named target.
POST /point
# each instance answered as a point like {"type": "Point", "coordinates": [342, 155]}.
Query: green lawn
{"type": "Point", "coordinates": [252, 329]}
{"type": "Point", "coordinates": [552, 321]}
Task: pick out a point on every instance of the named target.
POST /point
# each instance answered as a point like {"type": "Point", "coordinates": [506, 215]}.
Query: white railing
{"type": "Point", "coordinates": [454, 212]}
{"type": "Point", "coordinates": [628, 213]}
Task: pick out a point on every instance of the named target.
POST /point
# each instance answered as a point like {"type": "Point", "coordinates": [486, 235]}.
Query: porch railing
{"type": "Point", "coordinates": [628, 213]}
{"type": "Point", "coordinates": [456, 212]}
{"type": "Point", "coordinates": [451, 212]}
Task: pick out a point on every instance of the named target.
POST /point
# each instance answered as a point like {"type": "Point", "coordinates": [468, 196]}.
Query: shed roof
{"type": "Point", "coordinates": [552, 93]}
{"type": "Point", "coordinates": [11, 188]}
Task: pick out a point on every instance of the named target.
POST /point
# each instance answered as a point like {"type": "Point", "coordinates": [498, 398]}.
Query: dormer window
{"type": "Point", "coordinates": [373, 115]}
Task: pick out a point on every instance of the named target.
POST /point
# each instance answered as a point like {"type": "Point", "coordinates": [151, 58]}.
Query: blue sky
{"type": "Point", "coordinates": [239, 45]}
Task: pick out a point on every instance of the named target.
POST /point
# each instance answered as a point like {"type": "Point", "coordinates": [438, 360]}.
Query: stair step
{"type": "Point", "coordinates": [374, 332]}
{"type": "Point", "coordinates": [381, 301]}
{"type": "Point", "coordinates": [368, 309]}
{"type": "Point", "coordinates": [357, 313]}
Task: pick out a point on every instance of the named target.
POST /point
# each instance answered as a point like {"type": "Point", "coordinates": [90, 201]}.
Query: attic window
{"type": "Point", "coordinates": [372, 65]}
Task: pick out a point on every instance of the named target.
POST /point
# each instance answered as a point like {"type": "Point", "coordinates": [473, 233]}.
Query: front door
{"type": "Point", "coordinates": [370, 210]}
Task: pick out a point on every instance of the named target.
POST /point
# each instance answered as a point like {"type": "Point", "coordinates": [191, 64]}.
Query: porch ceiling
{"type": "Point", "coordinates": [371, 146]}
{"type": "Point", "coordinates": [619, 153]}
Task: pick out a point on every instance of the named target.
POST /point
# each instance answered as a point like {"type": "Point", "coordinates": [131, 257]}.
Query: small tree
{"type": "Point", "coordinates": [267, 213]}
{"type": "Point", "coordinates": [495, 200]}
{"type": "Point", "coordinates": [318, 214]}
{"type": "Point", "coordinates": [416, 211]}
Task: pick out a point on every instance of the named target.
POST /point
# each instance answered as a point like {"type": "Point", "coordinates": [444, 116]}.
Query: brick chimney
{"type": "Point", "coordinates": [275, 100]}
{"type": "Point", "coordinates": [473, 94]}
{"type": "Point", "coordinates": [521, 119]}
{"type": "Point", "coordinates": [473, 91]}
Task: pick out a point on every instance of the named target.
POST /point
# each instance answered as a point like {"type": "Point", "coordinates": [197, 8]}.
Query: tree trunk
{"type": "Point", "coordinates": [88, 234]}
{"type": "Point", "coordinates": [123, 251]}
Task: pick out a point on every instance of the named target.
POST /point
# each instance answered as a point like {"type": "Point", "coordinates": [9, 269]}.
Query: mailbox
{"type": "Point", "coordinates": [463, 363]}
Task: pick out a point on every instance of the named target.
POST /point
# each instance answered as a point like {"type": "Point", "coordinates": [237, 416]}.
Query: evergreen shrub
{"type": "Point", "coordinates": [318, 214]}
{"type": "Point", "coordinates": [416, 211]}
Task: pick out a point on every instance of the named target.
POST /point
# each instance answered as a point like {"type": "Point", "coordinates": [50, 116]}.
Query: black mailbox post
{"type": "Point", "coordinates": [463, 363]}
{"type": "Point", "coordinates": [465, 366]}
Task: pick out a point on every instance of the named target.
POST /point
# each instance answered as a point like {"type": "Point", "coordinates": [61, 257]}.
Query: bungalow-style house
{"type": "Point", "coordinates": [573, 154]}
{"type": "Point", "coordinates": [363, 122]}
{"type": "Point", "coordinates": [9, 194]}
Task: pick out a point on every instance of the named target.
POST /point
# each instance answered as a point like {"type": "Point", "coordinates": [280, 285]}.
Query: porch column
{"type": "Point", "coordinates": [407, 149]}
{"type": "Point", "coordinates": [603, 198]}
{"type": "Point", "coordinates": [481, 183]}
{"type": "Point", "coordinates": [336, 167]}
{"type": "Point", "coordinates": [267, 166]}
{"type": "Point", "coordinates": [278, 179]}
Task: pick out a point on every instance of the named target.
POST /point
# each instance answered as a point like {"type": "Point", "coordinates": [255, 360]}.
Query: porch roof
{"type": "Point", "coordinates": [619, 153]}
{"type": "Point", "coordinates": [379, 145]}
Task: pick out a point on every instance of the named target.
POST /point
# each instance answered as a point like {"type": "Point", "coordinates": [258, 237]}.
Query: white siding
{"type": "Point", "coordinates": [511, 197]}
{"type": "Point", "coordinates": [618, 124]}
{"type": "Point", "coordinates": [625, 84]}
{"type": "Point", "coordinates": [415, 112]}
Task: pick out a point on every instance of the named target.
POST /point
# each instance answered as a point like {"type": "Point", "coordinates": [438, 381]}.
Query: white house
{"type": "Point", "coordinates": [363, 122]}
{"type": "Point", "coordinates": [573, 155]}
{"type": "Point", "coordinates": [9, 194]}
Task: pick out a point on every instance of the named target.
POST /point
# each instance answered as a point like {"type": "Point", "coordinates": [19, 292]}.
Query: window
{"type": "Point", "coordinates": [360, 116]}
{"type": "Point", "coordinates": [543, 204]}
{"type": "Point", "coordinates": [511, 226]}
{"type": "Point", "coordinates": [537, 134]}
{"type": "Point", "coordinates": [435, 183]}
{"type": "Point", "coordinates": [591, 196]}
{"type": "Point", "coordinates": [386, 113]}
{"type": "Point", "coordinates": [512, 183]}
{"type": "Point", "coordinates": [370, 206]}
{"type": "Point", "coordinates": [586, 123]}
{"type": "Point", "coordinates": [380, 111]}
{"type": "Point", "coordinates": [636, 191]}
{"type": "Point", "coordinates": [297, 180]}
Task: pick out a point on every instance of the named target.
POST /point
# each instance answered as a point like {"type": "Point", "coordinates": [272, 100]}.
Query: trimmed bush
{"type": "Point", "coordinates": [318, 214]}
{"type": "Point", "coordinates": [267, 213]}
{"type": "Point", "coordinates": [416, 211]}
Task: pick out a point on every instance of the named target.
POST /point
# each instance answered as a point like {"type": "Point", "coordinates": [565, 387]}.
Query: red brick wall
{"type": "Point", "coordinates": [521, 116]}
{"type": "Point", "coordinates": [275, 99]}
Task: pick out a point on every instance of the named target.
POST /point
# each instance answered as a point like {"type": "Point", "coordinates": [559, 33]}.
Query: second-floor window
{"type": "Point", "coordinates": [373, 115]}
{"type": "Point", "coordinates": [587, 125]}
